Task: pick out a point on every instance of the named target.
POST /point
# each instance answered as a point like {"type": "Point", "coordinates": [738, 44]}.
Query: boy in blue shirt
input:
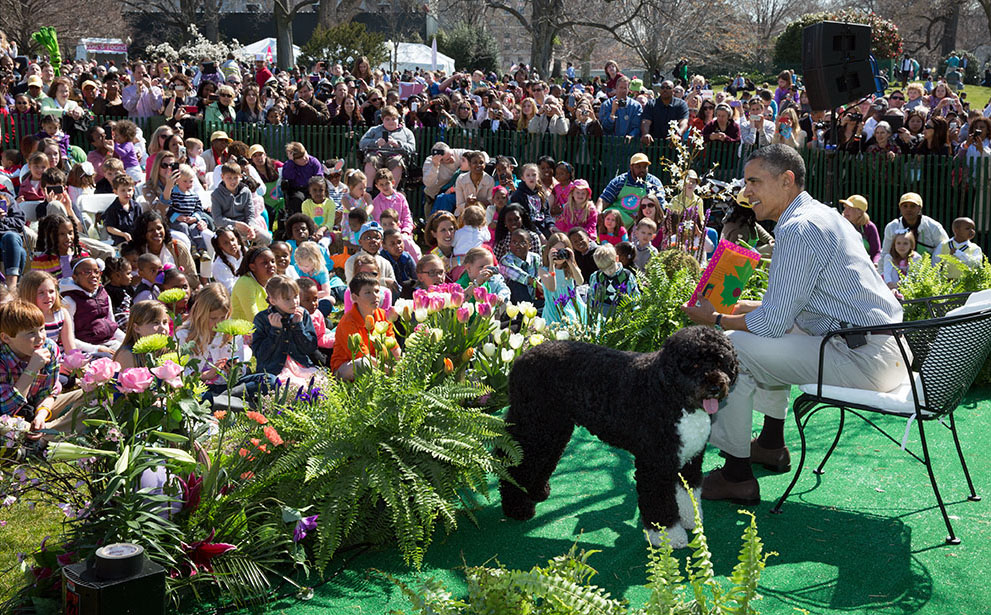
{"type": "Point", "coordinates": [283, 330]}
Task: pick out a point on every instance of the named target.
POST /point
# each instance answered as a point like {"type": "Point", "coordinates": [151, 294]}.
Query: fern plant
{"type": "Point", "coordinates": [641, 324]}
{"type": "Point", "coordinates": [563, 586]}
{"type": "Point", "coordinates": [386, 458]}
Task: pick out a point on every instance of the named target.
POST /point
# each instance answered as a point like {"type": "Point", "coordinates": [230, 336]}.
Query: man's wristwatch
{"type": "Point", "coordinates": [719, 322]}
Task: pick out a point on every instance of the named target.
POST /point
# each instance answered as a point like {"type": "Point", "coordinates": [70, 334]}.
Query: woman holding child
{"type": "Point", "coordinates": [152, 235]}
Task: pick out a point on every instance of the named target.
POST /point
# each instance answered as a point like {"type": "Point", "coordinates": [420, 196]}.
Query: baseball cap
{"type": "Point", "coordinates": [639, 158]}
{"type": "Point", "coordinates": [371, 225]}
{"type": "Point", "coordinates": [856, 201]}
{"type": "Point", "coordinates": [911, 197]}
{"type": "Point", "coordinates": [35, 81]}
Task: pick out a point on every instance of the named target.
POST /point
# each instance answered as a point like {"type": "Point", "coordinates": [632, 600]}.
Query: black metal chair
{"type": "Point", "coordinates": [943, 357]}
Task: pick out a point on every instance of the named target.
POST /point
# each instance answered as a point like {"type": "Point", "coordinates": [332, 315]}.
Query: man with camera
{"type": "Point", "coordinates": [306, 109]}
{"type": "Point", "coordinates": [386, 145]}
{"type": "Point", "coordinates": [143, 98]}
{"type": "Point", "coordinates": [438, 175]}
{"type": "Point", "coordinates": [549, 119]}
{"type": "Point", "coordinates": [620, 115]}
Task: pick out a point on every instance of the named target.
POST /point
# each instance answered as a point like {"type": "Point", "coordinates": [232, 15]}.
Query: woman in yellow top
{"type": "Point", "coordinates": [248, 297]}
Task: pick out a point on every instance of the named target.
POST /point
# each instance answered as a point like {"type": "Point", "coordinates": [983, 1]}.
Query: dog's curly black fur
{"type": "Point", "coordinates": [629, 400]}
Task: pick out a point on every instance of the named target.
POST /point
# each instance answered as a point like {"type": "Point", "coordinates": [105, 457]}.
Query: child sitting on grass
{"type": "Point", "coordinates": [149, 267]}
{"type": "Point", "coordinates": [367, 297]}
{"type": "Point", "coordinates": [961, 248]}
{"type": "Point", "coordinates": [284, 330]}
{"type": "Point", "coordinates": [402, 263]}
{"type": "Point", "coordinates": [147, 318]}
{"type": "Point", "coordinates": [29, 369]}
{"type": "Point", "coordinates": [319, 207]}
{"type": "Point", "coordinates": [309, 300]}
{"type": "Point", "coordinates": [521, 267]}
{"type": "Point", "coordinates": [609, 283]}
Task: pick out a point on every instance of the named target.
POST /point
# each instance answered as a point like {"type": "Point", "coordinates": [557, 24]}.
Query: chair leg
{"type": "Point", "coordinates": [952, 538]}
{"type": "Point", "coordinates": [839, 431]}
{"type": "Point", "coordinates": [798, 409]}
{"type": "Point", "coordinates": [973, 497]}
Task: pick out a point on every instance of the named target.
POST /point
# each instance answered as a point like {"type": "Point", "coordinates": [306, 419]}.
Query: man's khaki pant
{"type": "Point", "coordinates": [770, 366]}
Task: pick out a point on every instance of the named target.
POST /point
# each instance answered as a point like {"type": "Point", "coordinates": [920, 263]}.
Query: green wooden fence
{"type": "Point", "coordinates": [949, 187]}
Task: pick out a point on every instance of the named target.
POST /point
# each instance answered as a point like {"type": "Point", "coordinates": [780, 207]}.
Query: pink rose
{"type": "Point", "coordinates": [74, 360]}
{"type": "Point", "coordinates": [169, 372]}
{"type": "Point", "coordinates": [135, 380]}
{"type": "Point", "coordinates": [99, 372]}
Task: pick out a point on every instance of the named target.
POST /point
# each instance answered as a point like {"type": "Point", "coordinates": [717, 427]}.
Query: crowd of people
{"type": "Point", "coordinates": [309, 250]}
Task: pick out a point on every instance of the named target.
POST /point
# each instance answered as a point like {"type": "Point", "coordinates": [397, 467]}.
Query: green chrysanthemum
{"type": "Point", "coordinates": [173, 295]}
{"type": "Point", "coordinates": [174, 357]}
{"type": "Point", "coordinates": [151, 343]}
{"type": "Point", "coordinates": [235, 326]}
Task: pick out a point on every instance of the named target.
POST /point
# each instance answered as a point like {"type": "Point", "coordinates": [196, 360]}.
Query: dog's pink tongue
{"type": "Point", "coordinates": [710, 405]}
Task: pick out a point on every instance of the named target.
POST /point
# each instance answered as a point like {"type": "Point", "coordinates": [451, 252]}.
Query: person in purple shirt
{"type": "Point", "coordinates": [855, 210]}
{"type": "Point", "coordinates": [296, 174]}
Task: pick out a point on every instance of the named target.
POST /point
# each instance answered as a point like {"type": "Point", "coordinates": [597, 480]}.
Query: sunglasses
{"type": "Point", "coordinates": [897, 97]}
{"type": "Point", "coordinates": [929, 126]}
{"type": "Point", "coordinates": [666, 87]}
{"type": "Point", "coordinates": [224, 96]}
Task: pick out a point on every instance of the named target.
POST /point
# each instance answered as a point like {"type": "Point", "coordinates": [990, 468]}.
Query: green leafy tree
{"type": "Point", "coordinates": [344, 43]}
{"type": "Point", "coordinates": [471, 46]}
{"type": "Point", "coordinates": [886, 41]}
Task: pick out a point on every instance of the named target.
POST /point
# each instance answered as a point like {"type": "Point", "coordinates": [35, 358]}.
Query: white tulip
{"type": "Point", "coordinates": [489, 349]}
{"type": "Point", "coordinates": [515, 341]}
{"type": "Point", "coordinates": [538, 324]}
{"type": "Point", "coordinates": [508, 355]}
{"type": "Point", "coordinates": [512, 310]}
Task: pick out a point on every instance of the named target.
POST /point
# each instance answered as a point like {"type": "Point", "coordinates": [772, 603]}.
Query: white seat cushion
{"type": "Point", "coordinates": [981, 297]}
{"type": "Point", "coordinates": [898, 401]}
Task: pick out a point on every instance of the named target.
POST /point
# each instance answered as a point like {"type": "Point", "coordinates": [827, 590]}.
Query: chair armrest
{"type": "Point", "coordinates": [894, 329]}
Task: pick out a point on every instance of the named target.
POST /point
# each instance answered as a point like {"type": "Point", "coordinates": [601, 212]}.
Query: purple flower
{"type": "Point", "coordinates": [304, 525]}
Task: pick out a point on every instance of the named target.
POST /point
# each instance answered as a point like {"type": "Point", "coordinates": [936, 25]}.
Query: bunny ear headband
{"type": "Point", "coordinates": [160, 278]}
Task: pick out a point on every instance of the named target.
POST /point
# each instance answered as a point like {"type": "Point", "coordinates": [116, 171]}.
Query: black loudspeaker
{"type": "Point", "coordinates": [835, 63]}
{"type": "Point", "coordinates": [833, 42]}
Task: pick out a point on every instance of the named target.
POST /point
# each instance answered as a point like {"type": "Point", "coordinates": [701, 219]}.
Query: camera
{"type": "Point", "coordinates": [561, 255]}
{"type": "Point", "coordinates": [438, 152]}
{"type": "Point", "coordinates": [856, 117]}
{"type": "Point", "coordinates": [978, 132]}
{"type": "Point", "coordinates": [56, 189]}
{"type": "Point", "coordinates": [174, 166]}
{"type": "Point", "coordinates": [241, 160]}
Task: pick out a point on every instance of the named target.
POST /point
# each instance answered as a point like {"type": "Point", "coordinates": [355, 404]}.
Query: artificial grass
{"type": "Point", "coordinates": [864, 538]}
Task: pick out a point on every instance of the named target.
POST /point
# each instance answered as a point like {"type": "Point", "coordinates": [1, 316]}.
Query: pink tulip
{"type": "Point", "coordinates": [457, 297]}
{"type": "Point", "coordinates": [135, 380]}
{"type": "Point", "coordinates": [463, 314]}
{"type": "Point", "coordinates": [479, 293]}
{"type": "Point", "coordinates": [436, 303]}
{"type": "Point", "coordinates": [392, 315]}
{"type": "Point", "coordinates": [492, 299]}
{"type": "Point", "coordinates": [419, 299]}
{"type": "Point", "coordinates": [74, 360]}
{"type": "Point", "coordinates": [99, 372]}
{"type": "Point", "coordinates": [484, 309]}
{"type": "Point", "coordinates": [169, 372]}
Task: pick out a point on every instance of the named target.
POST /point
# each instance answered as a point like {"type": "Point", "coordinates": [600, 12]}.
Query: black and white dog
{"type": "Point", "coordinates": [655, 405]}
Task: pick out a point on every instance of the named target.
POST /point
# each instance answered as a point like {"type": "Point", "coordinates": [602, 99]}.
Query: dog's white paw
{"type": "Point", "coordinates": [677, 536]}
{"type": "Point", "coordinates": [686, 512]}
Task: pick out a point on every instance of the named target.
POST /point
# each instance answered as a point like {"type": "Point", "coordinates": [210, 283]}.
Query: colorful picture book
{"type": "Point", "coordinates": [726, 276]}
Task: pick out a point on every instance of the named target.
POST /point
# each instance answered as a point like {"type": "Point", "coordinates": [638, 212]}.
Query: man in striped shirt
{"type": "Point", "coordinates": [821, 279]}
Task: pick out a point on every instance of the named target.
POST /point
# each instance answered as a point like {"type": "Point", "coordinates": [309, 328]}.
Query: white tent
{"type": "Point", "coordinates": [414, 55]}
{"type": "Point", "coordinates": [267, 47]}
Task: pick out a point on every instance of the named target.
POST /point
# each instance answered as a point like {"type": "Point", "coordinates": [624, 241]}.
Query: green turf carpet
{"type": "Point", "coordinates": [864, 538]}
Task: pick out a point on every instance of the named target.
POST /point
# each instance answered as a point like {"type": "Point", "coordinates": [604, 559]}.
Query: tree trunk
{"type": "Point", "coordinates": [948, 42]}
{"type": "Point", "coordinates": [211, 20]}
{"type": "Point", "coordinates": [283, 34]}
{"type": "Point", "coordinates": [544, 19]}
{"type": "Point", "coordinates": [327, 13]}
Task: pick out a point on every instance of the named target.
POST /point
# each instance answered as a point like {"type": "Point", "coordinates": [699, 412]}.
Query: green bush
{"type": "Point", "coordinates": [344, 43]}
{"type": "Point", "coordinates": [472, 47]}
{"type": "Point", "coordinates": [886, 42]}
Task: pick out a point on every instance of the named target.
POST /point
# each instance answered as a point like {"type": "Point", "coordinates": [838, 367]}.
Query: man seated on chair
{"type": "Point", "coordinates": [385, 145]}
{"type": "Point", "coordinates": [821, 279]}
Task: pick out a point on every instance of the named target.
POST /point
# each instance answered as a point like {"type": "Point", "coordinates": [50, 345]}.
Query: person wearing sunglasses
{"type": "Point", "coordinates": [221, 110]}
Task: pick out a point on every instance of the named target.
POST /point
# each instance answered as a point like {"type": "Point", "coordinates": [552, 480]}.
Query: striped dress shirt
{"type": "Point", "coordinates": [820, 276]}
